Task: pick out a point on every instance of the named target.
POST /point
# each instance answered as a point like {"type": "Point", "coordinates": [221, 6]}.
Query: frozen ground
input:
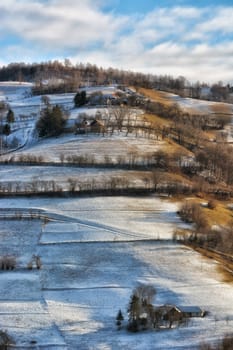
{"type": "Point", "coordinates": [192, 105]}
{"type": "Point", "coordinates": [195, 105]}
{"type": "Point", "coordinates": [27, 109]}
{"type": "Point", "coordinates": [94, 251]}
{"type": "Point", "coordinates": [92, 146]}
{"type": "Point", "coordinates": [62, 175]}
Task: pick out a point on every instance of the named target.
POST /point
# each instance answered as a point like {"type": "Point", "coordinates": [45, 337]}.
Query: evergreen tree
{"type": "Point", "coordinates": [140, 309]}
{"type": "Point", "coordinates": [119, 319]}
{"type": "Point", "coordinates": [51, 122]}
{"type": "Point", "coordinates": [80, 99]}
{"type": "Point", "coordinates": [6, 129]}
{"type": "Point", "coordinates": [3, 109]}
{"type": "Point", "coordinates": [10, 117]}
{"type": "Point", "coordinates": [134, 308]}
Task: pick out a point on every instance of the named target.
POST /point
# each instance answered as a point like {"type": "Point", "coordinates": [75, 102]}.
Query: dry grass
{"type": "Point", "coordinates": [169, 146]}
{"type": "Point", "coordinates": [209, 135]}
{"type": "Point", "coordinates": [155, 120]}
{"type": "Point", "coordinates": [158, 96]}
{"type": "Point", "coordinates": [220, 215]}
{"type": "Point", "coordinates": [176, 178]}
{"type": "Point", "coordinates": [221, 108]}
{"type": "Point", "coordinates": [172, 147]}
{"type": "Point", "coordinates": [225, 272]}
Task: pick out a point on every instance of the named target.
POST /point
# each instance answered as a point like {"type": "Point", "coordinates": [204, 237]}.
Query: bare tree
{"type": "Point", "coordinates": [119, 115]}
{"type": "Point", "coordinates": [145, 293]}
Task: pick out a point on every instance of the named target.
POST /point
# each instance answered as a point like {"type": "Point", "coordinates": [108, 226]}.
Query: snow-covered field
{"type": "Point", "coordinates": [93, 145]}
{"type": "Point", "coordinates": [27, 108]}
{"type": "Point", "coordinates": [197, 106]}
{"type": "Point", "coordinates": [94, 251]}
{"type": "Point", "coordinates": [62, 175]}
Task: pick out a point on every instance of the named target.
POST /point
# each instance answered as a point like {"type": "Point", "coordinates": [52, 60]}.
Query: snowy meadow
{"type": "Point", "coordinates": [94, 250]}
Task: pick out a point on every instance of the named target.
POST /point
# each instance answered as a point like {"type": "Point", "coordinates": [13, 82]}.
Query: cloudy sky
{"type": "Point", "coordinates": [183, 37]}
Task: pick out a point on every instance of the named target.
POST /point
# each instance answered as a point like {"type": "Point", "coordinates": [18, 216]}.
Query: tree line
{"type": "Point", "coordinates": [65, 76]}
{"type": "Point", "coordinates": [202, 234]}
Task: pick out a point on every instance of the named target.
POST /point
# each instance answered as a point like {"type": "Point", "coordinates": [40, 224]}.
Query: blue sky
{"type": "Point", "coordinates": [180, 38]}
{"type": "Point", "coordinates": [143, 6]}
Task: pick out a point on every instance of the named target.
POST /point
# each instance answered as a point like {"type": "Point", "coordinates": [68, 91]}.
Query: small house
{"type": "Point", "coordinates": [169, 311]}
{"type": "Point", "coordinates": [97, 126]}
{"type": "Point", "coordinates": [191, 311]}
{"type": "Point", "coordinates": [173, 313]}
{"type": "Point", "coordinates": [82, 127]}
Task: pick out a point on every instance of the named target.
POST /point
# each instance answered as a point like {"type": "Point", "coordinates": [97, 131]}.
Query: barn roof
{"type": "Point", "coordinates": [191, 309]}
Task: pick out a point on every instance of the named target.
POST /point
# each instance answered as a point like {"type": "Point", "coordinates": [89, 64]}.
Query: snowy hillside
{"type": "Point", "coordinates": [92, 257]}
{"type": "Point", "coordinates": [94, 250]}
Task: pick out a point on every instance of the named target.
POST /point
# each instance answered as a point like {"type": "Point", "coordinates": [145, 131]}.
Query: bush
{"type": "Point", "coordinates": [133, 326]}
{"type": "Point", "coordinates": [5, 340]}
{"type": "Point", "coordinates": [7, 263]}
{"type": "Point", "coordinates": [192, 213]}
{"type": "Point", "coordinates": [212, 204]}
{"type": "Point", "coordinates": [80, 99]}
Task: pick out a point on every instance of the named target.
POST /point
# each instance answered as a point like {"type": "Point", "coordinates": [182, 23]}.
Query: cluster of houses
{"type": "Point", "coordinates": [102, 100]}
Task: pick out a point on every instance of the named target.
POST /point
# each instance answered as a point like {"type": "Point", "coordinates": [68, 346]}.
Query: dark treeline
{"type": "Point", "coordinates": [56, 76]}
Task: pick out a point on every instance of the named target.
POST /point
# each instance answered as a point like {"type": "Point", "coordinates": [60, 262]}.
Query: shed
{"type": "Point", "coordinates": [191, 311]}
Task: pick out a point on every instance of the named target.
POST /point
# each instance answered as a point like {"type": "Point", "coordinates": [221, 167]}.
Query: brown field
{"type": "Point", "coordinates": [158, 96]}
{"type": "Point", "coordinates": [221, 108]}
{"type": "Point", "coordinates": [172, 147]}
{"type": "Point", "coordinates": [155, 120]}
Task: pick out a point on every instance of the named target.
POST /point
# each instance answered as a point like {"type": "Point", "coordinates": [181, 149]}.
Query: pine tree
{"type": "Point", "coordinates": [80, 99]}
{"type": "Point", "coordinates": [119, 319]}
{"type": "Point", "coordinates": [134, 308]}
{"type": "Point", "coordinates": [51, 122]}
{"type": "Point", "coordinates": [10, 117]}
{"type": "Point", "coordinates": [6, 129]}
{"type": "Point", "coordinates": [119, 316]}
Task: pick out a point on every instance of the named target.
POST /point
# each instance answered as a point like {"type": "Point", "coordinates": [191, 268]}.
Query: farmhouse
{"type": "Point", "coordinates": [166, 311]}
{"type": "Point", "coordinates": [177, 312]}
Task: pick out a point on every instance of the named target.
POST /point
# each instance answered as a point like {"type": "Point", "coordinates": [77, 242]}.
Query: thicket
{"type": "Point", "coordinates": [7, 262]}
{"type": "Point", "coordinates": [202, 235]}
{"type": "Point", "coordinates": [80, 99]}
{"type": "Point", "coordinates": [5, 340]}
{"type": "Point", "coordinates": [217, 161]}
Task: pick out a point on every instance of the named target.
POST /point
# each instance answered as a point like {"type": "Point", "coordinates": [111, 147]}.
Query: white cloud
{"type": "Point", "coordinates": [221, 20]}
{"type": "Point", "coordinates": [60, 24]}
{"type": "Point", "coordinates": [179, 40]}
